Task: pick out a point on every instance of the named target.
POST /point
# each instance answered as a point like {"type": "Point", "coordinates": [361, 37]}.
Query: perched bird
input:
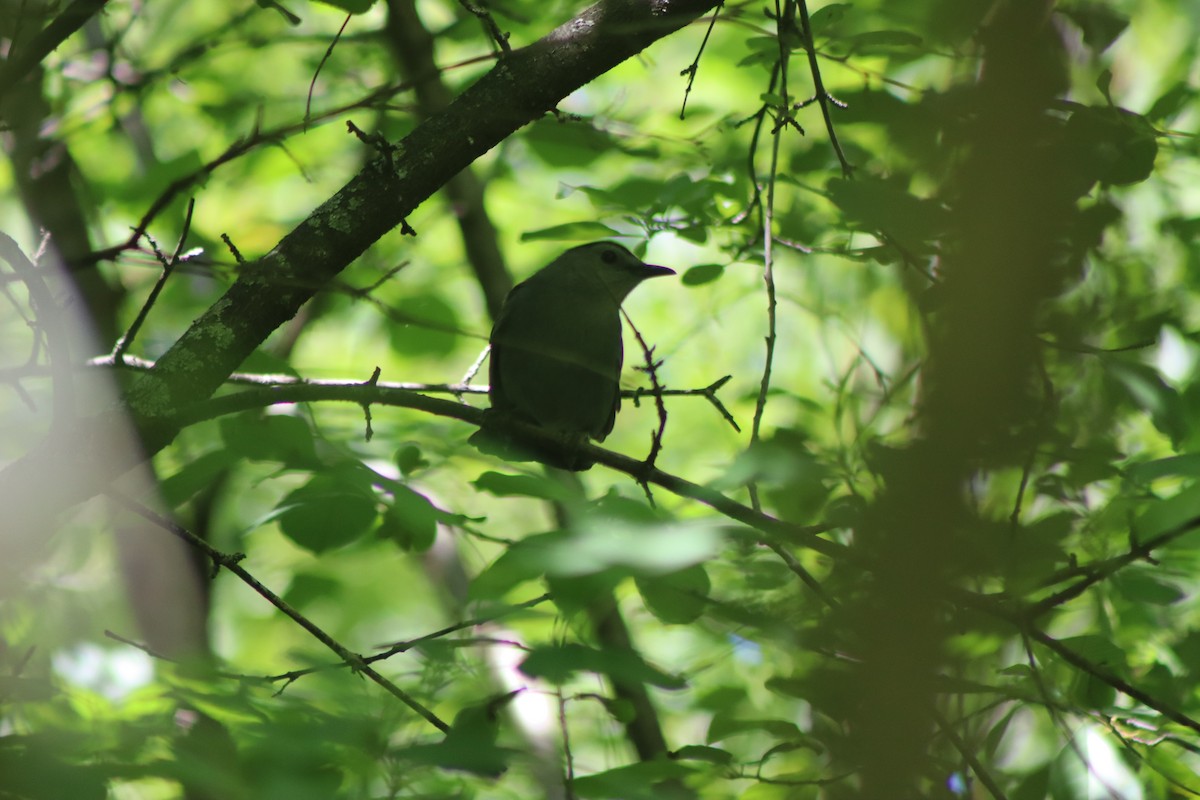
{"type": "Point", "coordinates": [557, 352]}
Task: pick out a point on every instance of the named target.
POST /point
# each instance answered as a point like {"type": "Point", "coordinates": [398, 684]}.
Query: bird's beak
{"type": "Point", "coordinates": [654, 270]}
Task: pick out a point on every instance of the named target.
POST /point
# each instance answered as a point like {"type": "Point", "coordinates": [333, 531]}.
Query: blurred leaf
{"type": "Point", "coordinates": [677, 598]}
{"type": "Point", "coordinates": [424, 325]}
{"type": "Point", "coordinates": [724, 725]}
{"type": "Point", "coordinates": [255, 436]}
{"type": "Point", "coordinates": [307, 587]}
{"type": "Point", "coordinates": [583, 231]}
{"type": "Point", "coordinates": [31, 771]}
{"type": "Point", "coordinates": [470, 744]}
{"type": "Point", "coordinates": [564, 144]}
{"type": "Point", "coordinates": [331, 510]}
{"type": "Point", "coordinates": [1100, 23]}
{"type": "Point", "coordinates": [409, 460]}
{"type": "Point", "coordinates": [1172, 101]}
{"type": "Point", "coordinates": [697, 752]}
{"type": "Point", "coordinates": [1148, 390]}
{"type": "Point", "coordinates": [879, 41]}
{"type": "Point", "coordinates": [1186, 466]}
{"type": "Point", "coordinates": [1100, 650]}
{"type": "Point", "coordinates": [702, 274]}
{"type": "Point", "coordinates": [1072, 777]}
{"type": "Point", "coordinates": [523, 561]}
{"type": "Point", "coordinates": [505, 485]}
{"type": "Point", "coordinates": [195, 476]}
{"type": "Point", "coordinates": [558, 663]}
{"type": "Point", "coordinates": [609, 537]}
{"type": "Point", "coordinates": [826, 20]}
{"type": "Point", "coordinates": [1161, 516]}
{"type": "Point", "coordinates": [1141, 586]}
{"type": "Point", "coordinates": [882, 206]}
{"type": "Point", "coordinates": [352, 6]}
{"type": "Point", "coordinates": [409, 520]}
{"type": "Point", "coordinates": [1110, 145]}
{"type": "Point", "coordinates": [635, 782]}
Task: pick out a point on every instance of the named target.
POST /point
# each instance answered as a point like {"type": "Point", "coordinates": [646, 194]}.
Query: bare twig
{"type": "Point", "coordinates": [324, 58]}
{"type": "Point", "coordinates": [656, 389]}
{"type": "Point", "coordinates": [489, 24]}
{"type": "Point", "coordinates": [168, 267]}
{"type": "Point", "coordinates": [31, 53]}
{"type": "Point", "coordinates": [691, 69]}
{"type": "Point", "coordinates": [50, 322]}
{"type": "Point", "coordinates": [408, 644]}
{"type": "Point", "coordinates": [1121, 685]}
{"type": "Point", "coordinates": [824, 98]}
{"type": "Point", "coordinates": [1094, 573]}
{"type": "Point", "coordinates": [232, 563]}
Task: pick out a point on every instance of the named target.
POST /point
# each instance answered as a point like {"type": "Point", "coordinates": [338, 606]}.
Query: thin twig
{"type": "Point", "coordinates": [656, 389]}
{"type": "Point", "coordinates": [50, 321]}
{"type": "Point", "coordinates": [1095, 573]}
{"type": "Point", "coordinates": [24, 58]}
{"type": "Point", "coordinates": [408, 644]}
{"type": "Point", "coordinates": [768, 220]}
{"type": "Point", "coordinates": [824, 98]}
{"type": "Point", "coordinates": [968, 754]}
{"type": "Point", "coordinates": [691, 69]}
{"type": "Point", "coordinates": [489, 24]}
{"type": "Point", "coordinates": [168, 267]}
{"type": "Point", "coordinates": [231, 563]}
{"type": "Point", "coordinates": [277, 379]}
{"type": "Point", "coordinates": [324, 58]}
{"type": "Point", "coordinates": [1122, 686]}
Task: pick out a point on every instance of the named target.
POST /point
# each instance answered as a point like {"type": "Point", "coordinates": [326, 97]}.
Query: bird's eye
{"type": "Point", "coordinates": [609, 257]}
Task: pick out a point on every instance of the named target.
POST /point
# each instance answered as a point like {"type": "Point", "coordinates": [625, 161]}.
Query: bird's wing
{"type": "Point", "coordinates": [556, 362]}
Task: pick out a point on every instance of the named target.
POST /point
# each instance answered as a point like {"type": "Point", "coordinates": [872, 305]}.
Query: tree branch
{"type": "Point", "coordinates": [526, 84]}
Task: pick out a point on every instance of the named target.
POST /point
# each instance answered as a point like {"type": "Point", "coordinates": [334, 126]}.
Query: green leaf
{"type": "Point", "coordinates": [1147, 389]}
{"type": "Point", "coordinates": [604, 540]}
{"type": "Point", "coordinates": [410, 520]}
{"type": "Point", "coordinates": [196, 475]}
{"type": "Point", "coordinates": [677, 598]}
{"type": "Point", "coordinates": [1141, 586]}
{"type": "Point", "coordinates": [702, 274]}
{"type": "Point", "coordinates": [1185, 466]}
{"type": "Point", "coordinates": [558, 663]}
{"type": "Point", "coordinates": [1109, 145]}
{"type": "Point", "coordinates": [256, 436]}
{"type": "Point", "coordinates": [307, 587]}
{"type": "Point", "coordinates": [351, 6]}
{"type": "Point", "coordinates": [583, 231]}
{"type": "Point", "coordinates": [409, 459]}
{"type": "Point", "coordinates": [567, 144]}
{"type": "Point", "coordinates": [724, 724]}
{"type": "Point", "coordinates": [329, 511]}
{"type": "Point", "coordinates": [523, 561]}
{"type": "Point", "coordinates": [633, 782]}
{"type": "Point", "coordinates": [503, 484]}
{"type": "Point", "coordinates": [698, 752]}
{"type": "Point", "coordinates": [1172, 101]}
{"type": "Point", "coordinates": [884, 206]}
{"type": "Point", "coordinates": [882, 41]}
{"type": "Point", "coordinates": [826, 19]}
{"type": "Point", "coordinates": [1161, 516]}
{"type": "Point", "coordinates": [1100, 650]}
{"type": "Point", "coordinates": [424, 325]}
{"type": "Point", "coordinates": [470, 744]}
{"type": "Point", "coordinates": [1100, 23]}
{"type": "Point", "coordinates": [1102, 774]}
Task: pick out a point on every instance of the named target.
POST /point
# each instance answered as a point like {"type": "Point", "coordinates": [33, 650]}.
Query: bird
{"type": "Point", "coordinates": [556, 354]}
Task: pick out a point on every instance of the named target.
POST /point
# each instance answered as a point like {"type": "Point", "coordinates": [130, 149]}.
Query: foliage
{"type": "Point", "coordinates": [947, 548]}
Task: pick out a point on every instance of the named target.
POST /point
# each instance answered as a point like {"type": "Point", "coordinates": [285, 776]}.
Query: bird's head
{"type": "Point", "coordinates": [609, 264]}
